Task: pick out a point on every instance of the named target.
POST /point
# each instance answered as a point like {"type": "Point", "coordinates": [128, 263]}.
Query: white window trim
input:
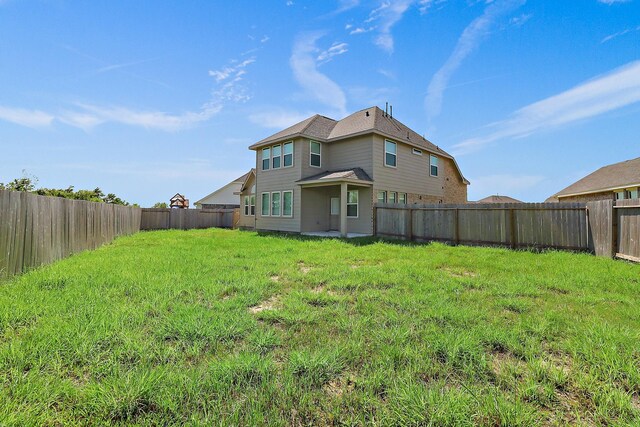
{"type": "Point", "coordinates": [262, 204]}
{"type": "Point", "coordinates": [331, 211]}
{"type": "Point", "coordinates": [273, 157]}
{"type": "Point", "coordinates": [356, 203]}
{"type": "Point", "coordinates": [384, 158]}
{"type": "Point", "coordinates": [395, 199]}
{"type": "Point", "coordinates": [252, 205]}
{"type": "Point", "coordinates": [310, 153]}
{"type": "Point", "coordinates": [292, 151]}
{"type": "Point", "coordinates": [246, 208]}
{"type": "Point", "coordinates": [417, 152]}
{"type": "Point", "coordinates": [431, 156]}
{"type": "Point", "coordinates": [405, 198]}
{"type": "Point", "coordinates": [282, 204]}
{"type": "Point", "coordinates": [271, 204]}
{"type": "Point", "coordinates": [385, 196]}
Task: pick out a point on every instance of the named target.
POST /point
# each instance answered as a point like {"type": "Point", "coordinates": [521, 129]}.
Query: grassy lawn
{"type": "Point", "coordinates": [224, 327]}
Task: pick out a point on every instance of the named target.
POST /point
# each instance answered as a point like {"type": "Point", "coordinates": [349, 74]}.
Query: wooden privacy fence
{"type": "Point", "coordinates": [606, 228]}
{"type": "Point", "coordinates": [185, 219]}
{"type": "Point", "coordinates": [37, 230]}
{"type": "Point", "coordinates": [553, 225]}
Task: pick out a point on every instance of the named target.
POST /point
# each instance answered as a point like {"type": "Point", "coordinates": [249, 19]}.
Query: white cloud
{"type": "Point", "coordinates": [619, 33]}
{"type": "Point", "coordinates": [616, 89]}
{"type": "Point", "coordinates": [235, 69]}
{"type": "Point", "coordinates": [264, 39]}
{"type": "Point", "coordinates": [610, 2]}
{"type": "Point", "coordinates": [386, 16]}
{"type": "Point", "coordinates": [304, 66]}
{"type": "Point", "coordinates": [467, 43]}
{"type": "Point", "coordinates": [24, 117]}
{"type": "Point", "coordinates": [278, 118]}
{"type": "Point", "coordinates": [519, 21]}
{"type": "Point", "coordinates": [335, 50]}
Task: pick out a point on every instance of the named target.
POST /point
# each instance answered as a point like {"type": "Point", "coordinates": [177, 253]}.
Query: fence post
{"type": "Point", "coordinates": [375, 220]}
{"type": "Point", "coordinates": [512, 229]}
{"type": "Point", "coordinates": [410, 224]}
{"type": "Point", "coordinates": [456, 230]}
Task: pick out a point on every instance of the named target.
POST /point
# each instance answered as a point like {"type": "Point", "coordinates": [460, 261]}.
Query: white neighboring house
{"type": "Point", "coordinates": [226, 197]}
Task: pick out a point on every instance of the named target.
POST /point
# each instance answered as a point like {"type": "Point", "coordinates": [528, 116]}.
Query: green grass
{"type": "Point", "coordinates": [219, 327]}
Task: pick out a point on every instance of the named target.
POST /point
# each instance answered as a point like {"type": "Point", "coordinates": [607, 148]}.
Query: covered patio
{"type": "Point", "coordinates": [337, 203]}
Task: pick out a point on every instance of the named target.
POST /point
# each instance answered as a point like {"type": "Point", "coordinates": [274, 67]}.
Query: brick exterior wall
{"type": "Point", "coordinates": [607, 195]}
{"type": "Point", "coordinates": [455, 190]}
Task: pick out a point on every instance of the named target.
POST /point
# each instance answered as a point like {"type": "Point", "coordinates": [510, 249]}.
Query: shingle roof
{"type": "Point", "coordinates": [317, 127]}
{"type": "Point", "coordinates": [498, 199]}
{"type": "Point", "coordinates": [353, 174]}
{"type": "Point", "coordinates": [617, 175]}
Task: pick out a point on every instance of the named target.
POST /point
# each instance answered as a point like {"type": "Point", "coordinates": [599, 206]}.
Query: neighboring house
{"type": "Point", "coordinates": [618, 181]}
{"type": "Point", "coordinates": [322, 174]}
{"type": "Point", "coordinates": [498, 199]}
{"type": "Point", "coordinates": [248, 201]}
{"type": "Point", "coordinates": [179, 201]}
{"type": "Point", "coordinates": [226, 197]}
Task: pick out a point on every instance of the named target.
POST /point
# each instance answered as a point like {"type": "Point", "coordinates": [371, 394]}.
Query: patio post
{"type": "Point", "coordinates": [343, 209]}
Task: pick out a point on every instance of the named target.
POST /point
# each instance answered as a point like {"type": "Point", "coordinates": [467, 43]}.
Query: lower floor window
{"type": "Point", "coordinates": [352, 204]}
{"type": "Point", "coordinates": [287, 203]}
{"type": "Point", "coordinates": [250, 205]}
{"type": "Point", "coordinates": [402, 198]}
{"type": "Point", "coordinates": [393, 197]}
{"type": "Point", "coordinates": [382, 197]}
{"type": "Point", "coordinates": [275, 204]}
{"type": "Point", "coordinates": [265, 204]}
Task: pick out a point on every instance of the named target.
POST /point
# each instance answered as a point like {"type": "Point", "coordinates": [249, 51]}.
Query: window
{"type": "Point", "coordinates": [266, 158]}
{"type": "Point", "coordinates": [276, 153]}
{"type": "Point", "coordinates": [633, 194]}
{"type": "Point", "coordinates": [287, 203]}
{"type": "Point", "coordinates": [252, 204]}
{"type": "Point", "coordinates": [288, 154]}
{"type": "Point", "coordinates": [266, 203]}
{"type": "Point", "coordinates": [619, 195]}
{"type": "Point", "coordinates": [417, 152]}
{"type": "Point", "coordinates": [402, 198]}
{"type": "Point", "coordinates": [382, 197]}
{"type": "Point", "coordinates": [275, 204]}
{"type": "Point", "coordinates": [390, 150]}
{"type": "Point", "coordinates": [393, 197]}
{"type": "Point", "coordinates": [352, 204]}
{"type": "Point", "coordinates": [335, 206]}
{"type": "Point", "coordinates": [314, 154]}
{"type": "Point", "coordinates": [433, 165]}
{"type": "Point", "coordinates": [246, 206]}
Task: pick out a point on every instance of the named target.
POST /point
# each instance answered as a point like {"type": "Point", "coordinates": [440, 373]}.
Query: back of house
{"type": "Point", "coordinates": [322, 174]}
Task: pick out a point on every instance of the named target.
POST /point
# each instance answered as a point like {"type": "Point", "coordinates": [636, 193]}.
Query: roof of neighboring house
{"type": "Point", "coordinates": [607, 178]}
{"type": "Point", "coordinates": [248, 176]}
{"type": "Point", "coordinates": [239, 181]}
{"type": "Point", "coordinates": [368, 120]}
{"type": "Point", "coordinates": [355, 174]}
{"type": "Point", "coordinates": [498, 199]}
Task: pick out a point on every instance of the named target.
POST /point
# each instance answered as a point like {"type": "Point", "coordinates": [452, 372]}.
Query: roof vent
{"type": "Point", "coordinates": [367, 114]}
{"type": "Point", "coordinates": [408, 135]}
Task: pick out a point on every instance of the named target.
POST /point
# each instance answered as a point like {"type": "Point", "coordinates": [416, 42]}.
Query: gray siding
{"type": "Point", "coordinates": [316, 210]}
{"type": "Point", "coordinates": [351, 153]}
{"type": "Point", "coordinates": [411, 174]}
{"type": "Point", "coordinates": [247, 220]}
{"type": "Point", "coordinates": [282, 179]}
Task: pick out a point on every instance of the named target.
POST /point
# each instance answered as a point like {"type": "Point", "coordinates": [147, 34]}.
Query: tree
{"type": "Point", "coordinates": [25, 183]}
{"type": "Point", "coordinates": [160, 205]}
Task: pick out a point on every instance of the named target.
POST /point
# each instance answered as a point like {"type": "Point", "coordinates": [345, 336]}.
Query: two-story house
{"type": "Point", "coordinates": [326, 175]}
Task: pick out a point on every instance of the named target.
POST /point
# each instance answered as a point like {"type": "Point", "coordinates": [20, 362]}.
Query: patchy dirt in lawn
{"type": "Point", "coordinates": [265, 305]}
{"type": "Point", "coordinates": [339, 386]}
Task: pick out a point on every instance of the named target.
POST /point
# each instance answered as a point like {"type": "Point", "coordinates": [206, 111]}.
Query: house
{"type": "Point", "coordinates": [179, 201]}
{"type": "Point", "coordinates": [325, 175]}
{"type": "Point", "coordinates": [498, 199]}
{"type": "Point", "coordinates": [618, 181]}
{"type": "Point", "coordinates": [226, 197]}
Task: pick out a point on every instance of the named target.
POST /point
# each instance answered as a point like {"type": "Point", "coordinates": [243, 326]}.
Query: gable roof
{"type": "Point", "coordinates": [238, 181]}
{"type": "Point", "coordinates": [354, 174]}
{"type": "Point", "coordinates": [498, 199]}
{"type": "Point", "coordinates": [607, 178]}
{"type": "Point", "coordinates": [368, 120]}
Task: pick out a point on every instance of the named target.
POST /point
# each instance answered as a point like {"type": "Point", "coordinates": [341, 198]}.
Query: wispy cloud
{"type": "Point", "coordinates": [335, 50]}
{"type": "Point", "coordinates": [278, 118]}
{"type": "Point", "coordinates": [304, 64]}
{"type": "Point", "coordinates": [620, 33]}
{"type": "Point", "coordinates": [467, 43]}
{"type": "Point", "coordinates": [24, 117]}
{"type": "Point", "coordinates": [610, 2]}
{"type": "Point", "coordinates": [614, 90]}
{"type": "Point", "coordinates": [233, 70]}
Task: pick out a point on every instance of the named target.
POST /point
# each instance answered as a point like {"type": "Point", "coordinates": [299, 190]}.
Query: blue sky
{"type": "Point", "coordinates": [148, 99]}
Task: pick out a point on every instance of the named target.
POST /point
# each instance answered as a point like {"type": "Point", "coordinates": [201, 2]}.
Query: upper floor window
{"type": "Point", "coordinates": [417, 152]}
{"type": "Point", "coordinates": [314, 154]}
{"type": "Point", "coordinates": [276, 156]}
{"type": "Point", "coordinates": [288, 154]}
{"type": "Point", "coordinates": [390, 153]}
{"type": "Point", "coordinates": [266, 158]}
{"type": "Point", "coordinates": [433, 165]}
